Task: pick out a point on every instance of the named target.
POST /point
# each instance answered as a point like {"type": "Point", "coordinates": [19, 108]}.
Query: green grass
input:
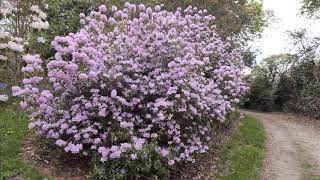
{"type": "Point", "coordinates": [13, 129]}
{"type": "Point", "coordinates": [309, 171]}
{"type": "Point", "coordinates": [243, 153]}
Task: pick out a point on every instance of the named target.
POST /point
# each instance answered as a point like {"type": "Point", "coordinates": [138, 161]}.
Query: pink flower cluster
{"type": "Point", "coordinates": [144, 76]}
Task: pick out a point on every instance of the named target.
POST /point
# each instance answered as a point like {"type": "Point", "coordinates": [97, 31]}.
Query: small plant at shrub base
{"type": "Point", "coordinates": [149, 165]}
{"type": "Point", "coordinates": [139, 91]}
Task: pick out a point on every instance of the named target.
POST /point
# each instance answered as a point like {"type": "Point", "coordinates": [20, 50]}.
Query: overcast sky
{"type": "Point", "coordinates": [274, 39]}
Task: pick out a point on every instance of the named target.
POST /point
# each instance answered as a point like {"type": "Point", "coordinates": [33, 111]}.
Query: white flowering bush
{"type": "Point", "coordinates": [10, 44]}
{"type": "Point", "coordinates": [4, 98]}
{"type": "Point", "coordinates": [38, 18]}
{"type": "Point", "coordinates": [20, 36]}
{"type": "Point", "coordinates": [139, 91]}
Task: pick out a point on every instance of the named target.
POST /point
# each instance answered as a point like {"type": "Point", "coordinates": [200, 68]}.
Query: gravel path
{"type": "Point", "coordinates": [293, 147]}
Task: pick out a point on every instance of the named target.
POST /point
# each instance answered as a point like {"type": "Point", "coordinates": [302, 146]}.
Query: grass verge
{"type": "Point", "coordinates": [242, 154]}
{"type": "Point", "coordinates": [13, 129]}
{"type": "Point", "coordinates": [309, 171]}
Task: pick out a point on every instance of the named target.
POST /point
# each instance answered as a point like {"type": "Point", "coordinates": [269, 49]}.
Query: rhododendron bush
{"type": "Point", "coordinates": [144, 81]}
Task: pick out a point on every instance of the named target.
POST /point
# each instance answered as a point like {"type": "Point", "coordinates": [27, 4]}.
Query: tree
{"type": "Point", "coordinates": [307, 47]}
{"type": "Point", "coordinates": [311, 8]}
{"type": "Point", "coordinates": [289, 82]}
{"type": "Point", "coordinates": [275, 66]}
{"type": "Point", "coordinates": [265, 90]}
{"type": "Point", "coordinates": [305, 76]}
{"type": "Point", "coordinates": [284, 93]}
{"type": "Point", "coordinates": [260, 95]}
{"type": "Point", "coordinates": [244, 19]}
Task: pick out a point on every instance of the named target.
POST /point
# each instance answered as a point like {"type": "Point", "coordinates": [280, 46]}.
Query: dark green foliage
{"type": "Point", "coordinates": [297, 90]}
{"type": "Point", "coordinates": [289, 82]}
{"type": "Point", "coordinates": [284, 93]}
{"type": "Point", "coordinates": [264, 94]}
{"type": "Point", "coordinates": [310, 7]}
{"type": "Point", "coordinates": [150, 165]}
{"type": "Point", "coordinates": [63, 17]}
{"type": "Point", "coordinates": [249, 56]}
{"type": "Point", "coordinates": [306, 88]}
{"type": "Point", "coordinates": [305, 75]}
{"type": "Point", "coordinates": [260, 96]}
{"type": "Point", "coordinates": [229, 122]}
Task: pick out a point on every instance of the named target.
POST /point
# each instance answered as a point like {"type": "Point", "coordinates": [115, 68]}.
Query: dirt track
{"type": "Point", "coordinates": [293, 148]}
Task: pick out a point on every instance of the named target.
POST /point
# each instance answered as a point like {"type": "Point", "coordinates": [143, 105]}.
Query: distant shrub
{"type": "Point", "coordinates": [305, 83]}
{"type": "Point", "coordinates": [260, 97]}
{"type": "Point", "coordinates": [139, 91]}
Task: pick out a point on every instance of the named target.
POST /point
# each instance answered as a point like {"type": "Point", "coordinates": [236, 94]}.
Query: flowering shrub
{"type": "Point", "coordinates": [23, 24]}
{"type": "Point", "coordinates": [39, 18]}
{"type": "Point", "coordinates": [4, 97]}
{"type": "Point", "coordinates": [145, 83]}
{"type": "Point", "coordinates": [16, 44]}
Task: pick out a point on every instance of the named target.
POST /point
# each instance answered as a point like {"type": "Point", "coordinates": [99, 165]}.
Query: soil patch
{"type": "Point", "coordinates": [59, 165]}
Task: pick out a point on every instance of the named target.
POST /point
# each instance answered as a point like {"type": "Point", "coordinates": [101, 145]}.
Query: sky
{"type": "Point", "coordinates": [274, 38]}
